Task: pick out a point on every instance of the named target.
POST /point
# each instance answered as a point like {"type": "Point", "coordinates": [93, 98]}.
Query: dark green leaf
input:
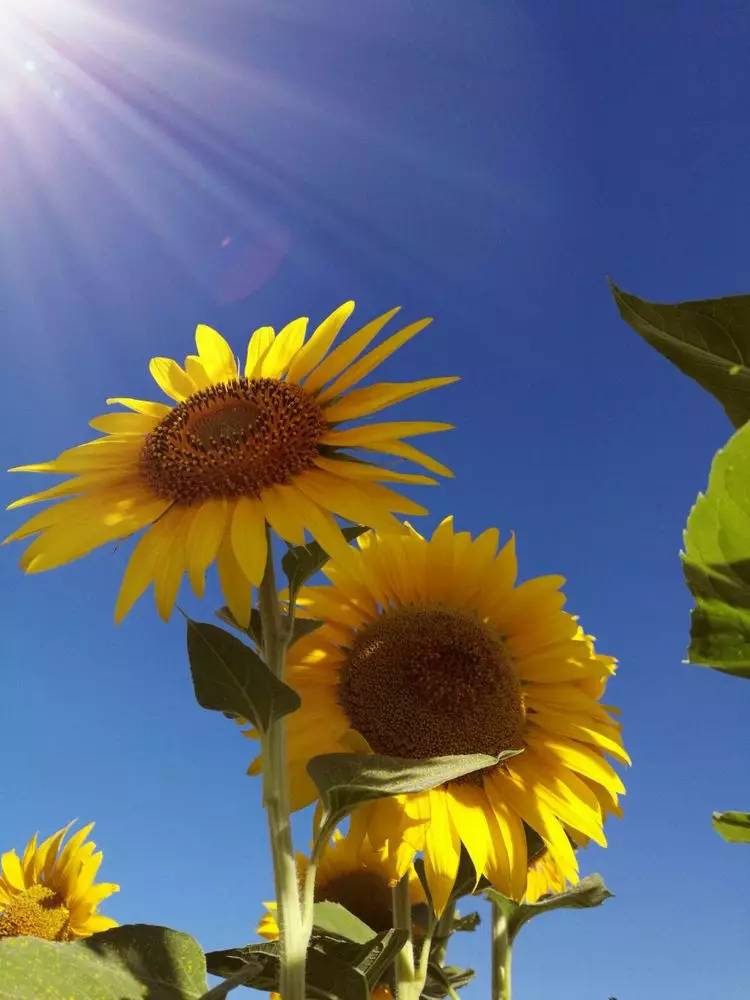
{"type": "Point", "coordinates": [469, 922]}
{"type": "Point", "coordinates": [717, 562]}
{"type": "Point", "coordinates": [260, 962]}
{"type": "Point", "coordinates": [254, 629]}
{"type": "Point", "coordinates": [733, 826]}
{"type": "Point", "coordinates": [376, 956]}
{"type": "Point", "coordinates": [346, 780]}
{"type": "Point", "coordinates": [442, 979]}
{"type": "Point", "coordinates": [134, 962]}
{"type": "Point", "coordinates": [303, 561]}
{"type": "Point", "coordinates": [229, 677]}
{"type": "Point", "coordinates": [590, 891]}
{"type": "Point", "coordinates": [329, 977]}
{"type": "Point", "coordinates": [709, 340]}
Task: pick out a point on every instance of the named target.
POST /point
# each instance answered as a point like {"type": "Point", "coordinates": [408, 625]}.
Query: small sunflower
{"type": "Point", "coordinates": [238, 447]}
{"type": "Point", "coordinates": [351, 872]}
{"type": "Point", "coordinates": [50, 892]}
{"type": "Point", "coordinates": [428, 648]}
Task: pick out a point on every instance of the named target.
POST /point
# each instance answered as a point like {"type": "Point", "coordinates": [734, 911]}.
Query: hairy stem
{"type": "Point", "coordinates": [276, 799]}
{"type": "Point", "coordinates": [500, 955]}
{"type": "Point", "coordinates": [405, 978]}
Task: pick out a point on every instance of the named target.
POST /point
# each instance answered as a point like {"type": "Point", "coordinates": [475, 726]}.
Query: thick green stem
{"type": "Point", "coordinates": [405, 979]}
{"type": "Point", "coordinates": [276, 801]}
{"type": "Point", "coordinates": [500, 955]}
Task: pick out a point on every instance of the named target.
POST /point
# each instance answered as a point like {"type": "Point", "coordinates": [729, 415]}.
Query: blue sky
{"type": "Point", "coordinates": [240, 163]}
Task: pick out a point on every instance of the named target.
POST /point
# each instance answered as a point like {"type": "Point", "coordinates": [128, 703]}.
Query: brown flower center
{"type": "Point", "coordinates": [37, 912]}
{"type": "Point", "coordinates": [428, 681]}
{"type": "Point", "coordinates": [233, 439]}
{"type": "Point", "coordinates": [364, 893]}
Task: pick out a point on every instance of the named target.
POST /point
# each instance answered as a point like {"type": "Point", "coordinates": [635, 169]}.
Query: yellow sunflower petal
{"type": "Point", "coordinates": [279, 355]}
{"type": "Point", "coordinates": [372, 360]}
{"type": "Point", "coordinates": [441, 852]}
{"type": "Point", "coordinates": [468, 807]}
{"type": "Point", "coordinates": [282, 513]}
{"type": "Point", "coordinates": [320, 341]}
{"type": "Point", "coordinates": [363, 402]}
{"type": "Point", "coordinates": [124, 423]}
{"type": "Point", "coordinates": [235, 586]}
{"type": "Point", "coordinates": [345, 353]}
{"type": "Point", "coordinates": [215, 354]}
{"type": "Point", "coordinates": [171, 379]}
{"type": "Point", "coordinates": [204, 536]}
{"type": "Point", "coordinates": [151, 409]}
{"type": "Point", "coordinates": [197, 372]}
{"type": "Point", "coordinates": [363, 471]}
{"type": "Point", "coordinates": [249, 538]}
{"type": "Point", "coordinates": [370, 433]}
{"type": "Point", "coordinates": [344, 497]}
{"type": "Point", "coordinates": [12, 870]}
{"type": "Point", "coordinates": [257, 347]}
{"type": "Point", "coordinates": [150, 551]}
{"type": "Point", "coordinates": [400, 449]}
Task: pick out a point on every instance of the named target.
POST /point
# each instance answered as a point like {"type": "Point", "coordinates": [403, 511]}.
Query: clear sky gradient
{"type": "Point", "coordinates": [488, 163]}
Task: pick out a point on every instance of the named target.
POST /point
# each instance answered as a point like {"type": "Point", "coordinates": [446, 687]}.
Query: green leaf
{"type": "Point", "coordinates": [133, 962]}
{"type": "Point", "coordinates": [442, 979]}
{"type": "Point", "coordinates": [303, 561]}
{"type": "Point", "coordinates": [229, 677]}
{"type": "Point", "coordinates": [328, 975]}
{"type": "Point", "coordinates": [590, 891]}
{"type": "Point", "coordinates": [716, 562]}
{"type": "Point", "coordinates": [709, 340]}
{"type": "Point", "coordinates": [469, 922]}
{"type": "Point", "coordinates": [260, 963]}
{"type": "Point", "coordinates": [347, 780]}
{"type": "Point", "coordinates": [254, 629]}
{"type": "Point", "coordinates": [336, 919]}
{"type": "Point", "coordinates": [732, 826]}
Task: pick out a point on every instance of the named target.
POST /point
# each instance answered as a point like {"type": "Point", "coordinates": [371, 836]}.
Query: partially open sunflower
{"type": "Point", "coordinates": [428, 647]}
{"type": "Point", "coordinates": [239, 446]}
{"type": "Point", "coordinates": [50, 891]}
{"type": "Point", "coordinates": [352, 873]}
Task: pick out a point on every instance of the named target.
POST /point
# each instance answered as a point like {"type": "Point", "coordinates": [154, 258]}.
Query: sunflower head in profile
{"type": "Point", "coordinates": [351, 872]}
{"type": "Point", "coordinates": [238, 447]}
{"type": "Point", "coordinates": [429, 647]}
{"type": "Point", "coordinates": [50, 891]}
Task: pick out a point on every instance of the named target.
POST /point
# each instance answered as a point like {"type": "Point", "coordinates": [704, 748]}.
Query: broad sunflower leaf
{"type": "Point", "coordinates": [347, 780]}
{"type": "Point", "coordinates": [259, 962]}
{"type": "Point", "coordinates": [133, 962]}
{"type": "Point", "coordinates": [328, 975]}
{"type": "Point", "coordinates": [303, 561]}
{"type": "Point", "coordinates": [732, 826]}
{"type": "Point", "coordinates": [590, 891]}
{"type": "Point", "coordinates": [709, 340]}
{"type": "Point", "coordinates": [716, 562]}
{"type": "Point", "coordinates": [230, 677]}
{"type": "Point", "coordinates": [334, 918]}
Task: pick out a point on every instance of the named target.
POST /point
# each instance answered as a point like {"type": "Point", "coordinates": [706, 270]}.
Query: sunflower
{"type": "Point", "coordinates": [50, 892]}
{"type": "Point", "coordinates": [544, 878]}
{"type": "Point", "coordinates": [428, 647]}
{"type": "Point", "coordinates": [236, 449]}
{"type": "Point", "coordinates": [351, 872]}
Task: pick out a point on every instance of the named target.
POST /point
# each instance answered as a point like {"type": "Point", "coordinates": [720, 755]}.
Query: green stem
{"type": "Point", "coordinates": [501, 954]}
{"type": "Point", "coordinates": [276, 800]}
{"type": "Point", "coordinates": [405, 979]}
